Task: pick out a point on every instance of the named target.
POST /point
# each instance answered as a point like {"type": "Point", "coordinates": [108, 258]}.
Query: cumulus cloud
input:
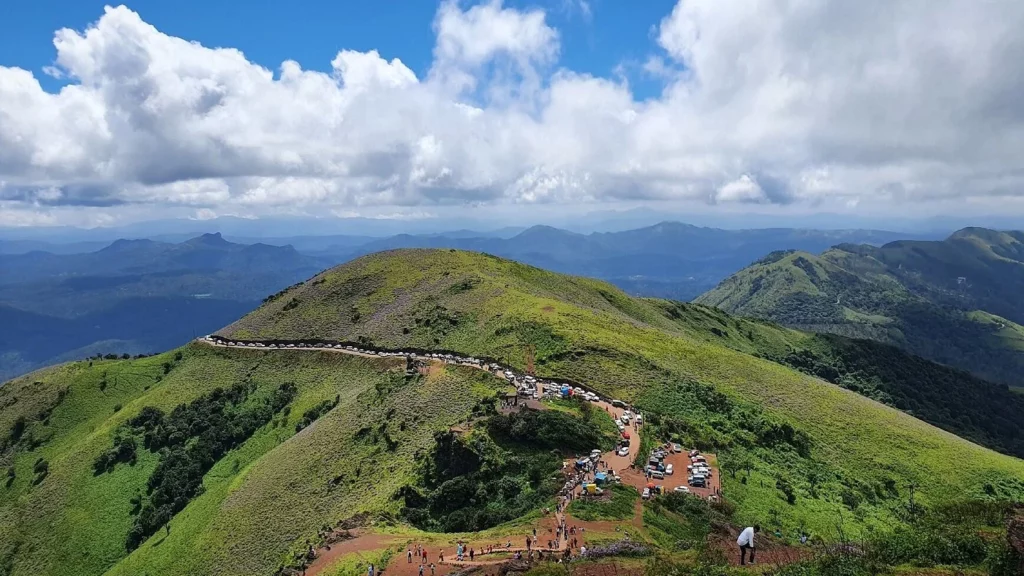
{"type": "Point", "coordinates": [784, 102]}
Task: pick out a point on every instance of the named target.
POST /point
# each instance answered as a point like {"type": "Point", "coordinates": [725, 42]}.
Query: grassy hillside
{"type": "Point", "coordinates": [815, 452]}
{"type": "Point", "coordinates": [259, 502]}
{"type": "Point", "coordinates": [929, 298]}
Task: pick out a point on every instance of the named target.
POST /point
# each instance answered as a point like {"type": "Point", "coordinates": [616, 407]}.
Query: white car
{"type": "Point", "coordinates": [668, 470]}
{"type": "Point", "coordinates": [624, 451]}
{"type": "Point", "coordinates": [647, 494]}
{"type": "Point", "coordinates": [682, 489]}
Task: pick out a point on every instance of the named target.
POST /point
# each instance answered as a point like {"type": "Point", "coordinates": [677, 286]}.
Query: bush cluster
{"type": "Point", "coordinates": [189, 440]}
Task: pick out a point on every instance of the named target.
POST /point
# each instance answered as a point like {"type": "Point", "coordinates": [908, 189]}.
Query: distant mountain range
{"type": "Point", "coordinates": [956, 301]}
{"type": "Point", "coordinates": [144, 295]}
{"type": "Point", "coordinates": [133, 296]}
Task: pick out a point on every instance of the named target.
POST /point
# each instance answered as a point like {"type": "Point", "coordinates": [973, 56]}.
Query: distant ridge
{"type": "Point", "coordinates": [955, 301]}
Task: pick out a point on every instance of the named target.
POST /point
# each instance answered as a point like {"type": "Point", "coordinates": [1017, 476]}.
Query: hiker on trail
{"type": "Point", "coordinates": [408, 551]}
{"type": "Point", "coordinates": [421, 569]}
{"type": "Point", "coordinates": [534, 531]}
{"type": "Point", "coordinates": [424, 555]}
{"type": "Point", "coordinates": [431, 569]}
{"type": "Point", "coordinates": [440, 555]}
{"type": "Point", "coordinates": [527, 543]}
{"type": "Point", "coordinates": [746, 542]}
{"type": "Point", "coordinates": [472, 553]}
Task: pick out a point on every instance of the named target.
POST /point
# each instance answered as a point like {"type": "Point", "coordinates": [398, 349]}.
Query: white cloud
{"type": "Point", "coordinates": [788, 102]}
{"type": "Point", "coordinates": [743, 189]}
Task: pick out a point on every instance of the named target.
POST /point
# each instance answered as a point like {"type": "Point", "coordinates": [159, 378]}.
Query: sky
{"type": "Point", "coordinates": [410, 110]}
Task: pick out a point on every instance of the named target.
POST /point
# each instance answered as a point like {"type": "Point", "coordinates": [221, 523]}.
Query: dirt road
{"type": "Point", "coordinates": [486, 552]}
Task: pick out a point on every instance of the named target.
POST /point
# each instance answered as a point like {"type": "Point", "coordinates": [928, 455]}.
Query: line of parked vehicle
{"type": "Point", "coordinates": [526, 385]}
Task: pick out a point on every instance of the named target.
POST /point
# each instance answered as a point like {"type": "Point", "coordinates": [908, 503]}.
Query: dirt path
{"type": "Point", "coordinates": [545, 530]}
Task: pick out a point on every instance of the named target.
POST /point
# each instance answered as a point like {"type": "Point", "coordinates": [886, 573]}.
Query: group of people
{"type": "Point", "coordinates": [418, 552]}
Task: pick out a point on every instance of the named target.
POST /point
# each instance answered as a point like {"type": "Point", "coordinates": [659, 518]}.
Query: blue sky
{"type": "Point", "coordinates": [607, 37]}
{"type": "Point", "coordinates": [417, 109]}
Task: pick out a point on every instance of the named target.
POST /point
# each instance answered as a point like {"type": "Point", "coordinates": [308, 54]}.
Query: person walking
{"type": "Point", "coordinates": [408, 552]}
{"type": "Point", "coordinates": [746, 542]}
{"type": "Point", "coordinates": [421, 569]}
{"type": "Point", "coordinates": [472, 554]}
{"type": "Point", "coordinates": [369, 570]}
{"type": "Point", "coordinates": [431, 569]}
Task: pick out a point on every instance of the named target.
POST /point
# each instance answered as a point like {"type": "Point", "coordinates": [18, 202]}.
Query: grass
{"type": "Point", "coordinates": [881, 294]}
{"type": "Point", "coordinates": [357, 563]}
{"type": "Point", "coordinates": [641, 350]}
{"type": "Point", "coordinates": [842, 458]}
{"type": "Point", "coordinates": [261, 501]}
{"type": "Point", "coordinates": [616, 505]}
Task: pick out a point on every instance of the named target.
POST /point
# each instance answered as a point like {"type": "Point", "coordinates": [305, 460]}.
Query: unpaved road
{"type": "Point", "coordinates": [545, 528]}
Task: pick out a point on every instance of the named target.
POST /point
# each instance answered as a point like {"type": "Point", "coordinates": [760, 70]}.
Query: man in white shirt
{"type": "Point", "coordinates": [746, 542]}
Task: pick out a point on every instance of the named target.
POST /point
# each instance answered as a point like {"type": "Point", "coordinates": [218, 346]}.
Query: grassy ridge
{"type": "Point", "coordinates": [260, 501]}
{"type": "Point", "coordinates": [946, 301]}
{"type": "Point", "coordinates": [648, 351]}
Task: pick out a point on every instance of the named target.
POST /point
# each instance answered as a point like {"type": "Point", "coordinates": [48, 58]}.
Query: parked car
{"type": "Point", "coordinates": [677, 448]}
{"type": "Point", "coordinates": [681, 489]}
{"type": "Point", "coordinates": [647, 494]}
{"type": "Point", "coordinates": [618, 403]}
{"type": "Point", "coordinates": [624, 451]}
{"type": "Point", "coordinates": [657, 474]}
{"type": "Point", "coordinates": [669, 470]}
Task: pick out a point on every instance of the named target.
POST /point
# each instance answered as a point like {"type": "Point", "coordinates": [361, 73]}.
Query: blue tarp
{"type": "Point", "coordinates": [600, 478]}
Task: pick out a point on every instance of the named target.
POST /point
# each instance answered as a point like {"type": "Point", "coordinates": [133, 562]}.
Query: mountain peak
{"type": "Point", "coordinates": [122, 244]}
{"type": "Point", "coordinates": [209, 239]}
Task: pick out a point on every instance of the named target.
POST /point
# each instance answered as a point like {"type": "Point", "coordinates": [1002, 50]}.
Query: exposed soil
{"type": "Point", "coordinates": [544, 530]}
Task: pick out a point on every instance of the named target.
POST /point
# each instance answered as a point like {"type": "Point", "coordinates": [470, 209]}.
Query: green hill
{"type": "Point", "coordinates": [655, 353]}
{"type": "Point", "coordinates": [259, 502]}
{"type": "Point", "coordinates": [93, 448]}
{"type": "Point", "coordinates": [955, 302]}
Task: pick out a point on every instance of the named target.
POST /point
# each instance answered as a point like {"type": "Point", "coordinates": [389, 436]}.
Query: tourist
{"type": "Point", "coordinates": [746, 542]}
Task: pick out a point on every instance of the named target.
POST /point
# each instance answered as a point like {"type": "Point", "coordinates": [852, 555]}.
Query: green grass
{"type": "Point", "coordinates": [641, 350]}
{"type": "Point", "coordinates": [619, 506]}
{"type": "Point", "coordinates": [843, 458]}
{"type": "Point", "coordinates": [261, 501]}
{"type": "Point", "coordinates": [357, 563]}
{"type": "Point", "coordinates": [894, 295]}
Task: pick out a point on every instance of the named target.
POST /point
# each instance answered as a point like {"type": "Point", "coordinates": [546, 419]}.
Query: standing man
{"type": "Point", "coordinates": [746, 542]}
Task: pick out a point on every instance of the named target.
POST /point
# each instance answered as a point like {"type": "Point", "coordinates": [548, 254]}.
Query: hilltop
{"type": "Point", "coordinates": [314, 438]}
{"type": "Point", "coordinates": [953, 301]}
{"type": "Point", "coordinates": [645, 350]}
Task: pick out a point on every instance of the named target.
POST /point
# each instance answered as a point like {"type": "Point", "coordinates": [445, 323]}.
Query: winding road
{"type": "Point", "coordinates": [545, 528]}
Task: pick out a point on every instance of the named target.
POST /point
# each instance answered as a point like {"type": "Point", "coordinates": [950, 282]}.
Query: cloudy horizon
{"type": "Point", "coordinates": [783, 107]}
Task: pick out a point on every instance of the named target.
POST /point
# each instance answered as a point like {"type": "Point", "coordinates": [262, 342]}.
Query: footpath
{"type": "Point", "coordinates": [555, 535]}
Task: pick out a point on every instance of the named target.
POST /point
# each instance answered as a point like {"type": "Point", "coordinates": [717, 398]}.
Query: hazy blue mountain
{"type": "Point", "coordinates": [133, 296]}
